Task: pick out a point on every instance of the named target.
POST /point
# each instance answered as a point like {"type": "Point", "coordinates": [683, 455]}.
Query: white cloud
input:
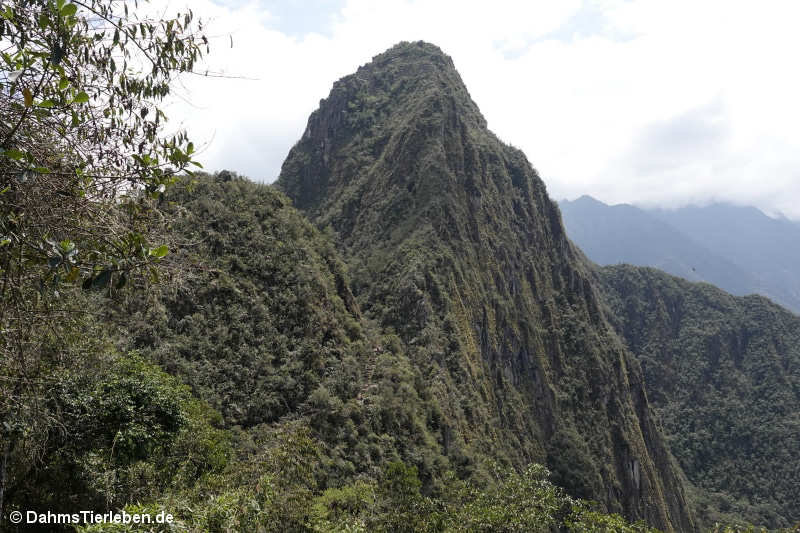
{"type": "Point", "coordinates": [641, 101]}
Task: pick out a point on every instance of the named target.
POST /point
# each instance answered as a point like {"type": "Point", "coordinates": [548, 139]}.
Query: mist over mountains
{"type": "Point", "coordinates": [739, 249]}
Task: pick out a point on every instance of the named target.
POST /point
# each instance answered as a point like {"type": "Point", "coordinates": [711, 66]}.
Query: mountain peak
{"type": "Point", "coordinates": [406, 61]}
{"type": "Point", "coordinates": [584, 199]}
{"type": "Point", "coordinates": [407, 70]}
{"type": "Point", "coordinates": [403, 100]}
{"type": "Point", "coordinates": [455, 247]}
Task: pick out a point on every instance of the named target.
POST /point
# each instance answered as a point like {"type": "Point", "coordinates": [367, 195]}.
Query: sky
{"type": "Point", "coordinates": [654, 103]}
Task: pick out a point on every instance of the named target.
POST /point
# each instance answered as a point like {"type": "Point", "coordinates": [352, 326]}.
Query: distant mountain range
{"type": "Point", "coordinates": [739, 249]}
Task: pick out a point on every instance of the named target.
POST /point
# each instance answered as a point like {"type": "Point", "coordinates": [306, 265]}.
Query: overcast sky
{"type": "Point", "coordinates": [653, 103]}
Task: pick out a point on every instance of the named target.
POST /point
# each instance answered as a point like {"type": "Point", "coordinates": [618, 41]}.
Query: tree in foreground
{"type": "Point", "coordinates": [83, 158]}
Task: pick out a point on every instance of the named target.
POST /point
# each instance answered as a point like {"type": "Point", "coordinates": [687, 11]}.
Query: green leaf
{"type": "Point", "coordinates": [69, 10]}
{"type": "Point", "coordinates": [63, 84]}
{"type": "Point", "coordinates": [81, 98]}
{"type": "Point", "coordinates": [43, 21]}
{"type": "Point", "coordinates": [159, 252]}
{"type": "Point", "coordinates": [46, 104]}
{"type": "Point", "coordinates": [14, 154]}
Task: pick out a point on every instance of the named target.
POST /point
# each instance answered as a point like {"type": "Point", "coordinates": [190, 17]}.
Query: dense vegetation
{"type": "Point", "coordinates": [260, 321]}
{"type": "Point", "coordinates": [82, 159]}
{"type": "Point", "coordinates": [336, 458]}
{"type": "Point", "coordinates": [723, 373]}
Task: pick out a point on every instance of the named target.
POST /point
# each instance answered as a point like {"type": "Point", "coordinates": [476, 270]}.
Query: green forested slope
{"type": "Point", "coordinates": [454, 245]}
{"type": "Point", "coordinates": [326, 425]}
{"type": "Point", "coordinates": [723, 372]}
{"type": "Point", "coordinates": [356, 444]}
{"type": "Point", "coordinates": [258, 307]}
{"type": "Point", "coordinates": [260, 321]}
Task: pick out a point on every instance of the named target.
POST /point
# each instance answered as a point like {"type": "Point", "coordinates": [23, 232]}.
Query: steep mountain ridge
{"type": "Point", "coordinates": [261, 323]}
{"type": "Point", "coordinates": [453, 243]}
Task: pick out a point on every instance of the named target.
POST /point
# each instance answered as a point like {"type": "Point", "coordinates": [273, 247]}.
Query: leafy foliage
{"type": "Point", "coordinates": [83, 156]}
{"type": "Point", "coordinates": [82, 91]}
{"type": "Point", "coordinates": [79, 131]}
{"type": "Point", "coordinates": [253, 315]}
{"type": "Point", "coordinates": [128, 432]}
{"type": "Point", "coordinates": [520, 502]}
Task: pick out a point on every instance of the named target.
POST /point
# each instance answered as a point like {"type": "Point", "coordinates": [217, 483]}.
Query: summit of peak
{"type": "Point", "coordinates": [417, 51]}
{"type": "Point", "coordinates": [406, 102]}
{"type": "Point", "coordinates": [405, 68]}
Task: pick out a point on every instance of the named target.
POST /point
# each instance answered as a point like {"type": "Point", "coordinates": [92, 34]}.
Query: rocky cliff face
{"type": "Point", "coordinates": [453, 243]}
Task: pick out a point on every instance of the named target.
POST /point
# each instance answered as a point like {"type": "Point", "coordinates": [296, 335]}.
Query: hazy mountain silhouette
{"type": "Point", "coordinates": [739, 249]}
